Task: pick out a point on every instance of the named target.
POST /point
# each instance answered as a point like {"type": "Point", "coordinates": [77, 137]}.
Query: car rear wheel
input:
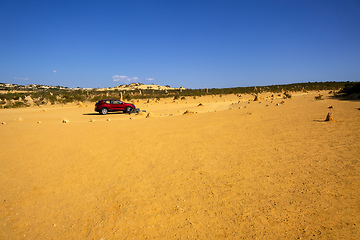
{"type": "Point", "coordinates": [129, 110]}
{"type": "Point", "coordinates": [103, 111]}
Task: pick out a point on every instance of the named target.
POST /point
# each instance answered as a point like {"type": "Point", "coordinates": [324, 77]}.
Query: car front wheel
{"type": "Point", "coordinates": [103, 111]}
{"type": "Point", "coordinates": [129, 110]}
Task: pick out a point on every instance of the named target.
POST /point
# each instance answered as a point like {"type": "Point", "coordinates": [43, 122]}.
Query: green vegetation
{"type": "Point", "coordinates": [351, 89]}
{"type": "Point", "coordinates": [12, 95]}
{"type": "Point", "coordinates": [287, 95]}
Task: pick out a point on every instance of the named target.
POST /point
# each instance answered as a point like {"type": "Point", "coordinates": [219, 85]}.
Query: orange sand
{"type": "Point", "coordinates": [233, 170]}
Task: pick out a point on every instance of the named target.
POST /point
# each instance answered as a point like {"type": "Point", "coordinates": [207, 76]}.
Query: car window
{"type": "Point", "coordinates": [117, 102]}
{"type": "Point", "coordinates": [108, 102]}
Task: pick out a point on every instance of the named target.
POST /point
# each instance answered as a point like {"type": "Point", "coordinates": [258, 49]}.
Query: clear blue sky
{"type": "Point", "coordinates": [189, 43]}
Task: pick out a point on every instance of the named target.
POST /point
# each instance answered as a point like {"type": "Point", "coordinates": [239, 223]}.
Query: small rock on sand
{"type": "Point", "coordinates": [3, 123]}
{"type": "Point", "coordinates": [329, 117]}
{"type": "Point", "coordinates": [65, 121]}
{"type": "Point", "coordinates": [39, 122]}
{"type": "Point", "coordinates": [92, 120]}
{"type": "Point", "coordinates": [108, 119]}
{"type": "Point", "coordinates": [188, 112]}
{"type": "Point", "coordinates": [149, 115]}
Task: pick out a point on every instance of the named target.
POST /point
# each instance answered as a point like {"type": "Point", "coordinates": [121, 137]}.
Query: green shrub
{"type": "Point", "coordinates": [127, 97]}
{"type": "Point", "coordinates": [18, 104]}
{"type": "Point", "coordinates": [287, 95]}
{"type": "Point", "coordinates": [351, 88]}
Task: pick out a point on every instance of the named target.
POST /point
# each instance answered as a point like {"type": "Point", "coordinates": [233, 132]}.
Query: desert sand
{"type": "Point", "coordinates": [233, 169]}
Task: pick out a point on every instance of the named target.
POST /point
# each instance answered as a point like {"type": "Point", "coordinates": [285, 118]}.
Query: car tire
{"type": "Point", "coordinates": [129, 110]}
{"type": "Point", "coordinates": [103, 111]}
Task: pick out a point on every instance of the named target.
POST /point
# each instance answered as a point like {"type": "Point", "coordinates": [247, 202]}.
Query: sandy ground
{"type": "Point", "coordinates": [236, 169]}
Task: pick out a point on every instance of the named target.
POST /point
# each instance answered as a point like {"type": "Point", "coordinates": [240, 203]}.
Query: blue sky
{"type": "Point", "coordinates": [189, 43]}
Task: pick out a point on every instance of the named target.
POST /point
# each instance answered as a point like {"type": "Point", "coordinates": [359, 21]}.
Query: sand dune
{"type": "Point", "coordinates": [234, 169]}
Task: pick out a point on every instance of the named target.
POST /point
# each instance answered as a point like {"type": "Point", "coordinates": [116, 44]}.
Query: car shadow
{"type": "Point", "coordinates": [109, 113]}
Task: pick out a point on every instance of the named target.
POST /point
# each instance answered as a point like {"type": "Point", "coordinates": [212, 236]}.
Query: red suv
{"type": "Point", "coordinates": [105, 106]}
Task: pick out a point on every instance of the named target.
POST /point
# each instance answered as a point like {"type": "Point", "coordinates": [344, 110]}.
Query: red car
{"type": "Point", "coordinates": [105, 106]}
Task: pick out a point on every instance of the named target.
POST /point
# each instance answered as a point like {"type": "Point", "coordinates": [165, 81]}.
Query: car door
{"type": "Point", "coordinates": [117, 105]}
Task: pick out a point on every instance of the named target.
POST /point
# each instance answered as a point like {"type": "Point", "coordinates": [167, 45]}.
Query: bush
{"type": "Point", "coordinates": [351, 88]}
{"type": "Point", "coordinates": [18, 104]}
{"type": "Point", "coordinates": [287, 95]}
{"type": "Point", "coordinates": [127, 97]}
